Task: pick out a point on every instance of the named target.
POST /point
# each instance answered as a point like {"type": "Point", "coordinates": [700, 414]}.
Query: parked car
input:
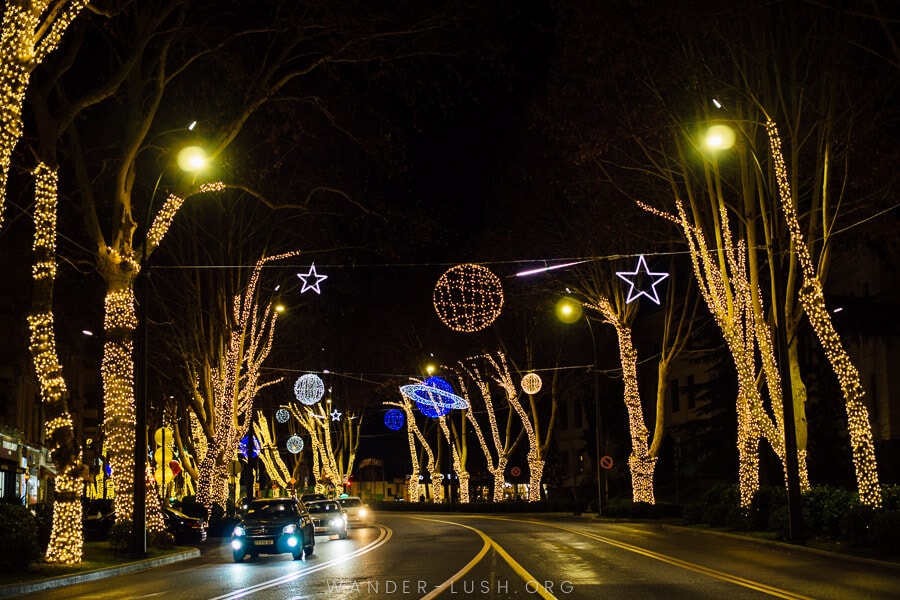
{"type": "Point", "coordinates": [184, 528]}
{"type": "Point", "coordinates": [329, 518]}
{"type": "Point", "coordinates": [274, 526]}
{"type": "Point", "coordinates": [358, 514]}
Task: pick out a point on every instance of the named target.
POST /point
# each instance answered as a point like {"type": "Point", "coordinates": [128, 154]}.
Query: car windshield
{"type": "Point", "coordinates": [350, 502]}
{"type": "Point", "coordinates": [178, 514]}
{"type": "Point", "coordinates": [323, 507]}
{"type": "Point", "coordinates": [268, 508]}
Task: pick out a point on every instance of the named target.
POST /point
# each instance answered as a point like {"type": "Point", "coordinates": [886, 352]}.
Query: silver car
{"type": "Point", "coordinates": [358, 514]}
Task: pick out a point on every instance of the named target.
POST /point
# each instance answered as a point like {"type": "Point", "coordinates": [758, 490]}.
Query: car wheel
{"type": "Point", "coordinates": [298, 553]}
{"type": "Point", "coordinates": [238, 555]}
{"type": "Point", "coordinates": [308, 551]}
{"type": "Point", "coordinates": [342, 535]}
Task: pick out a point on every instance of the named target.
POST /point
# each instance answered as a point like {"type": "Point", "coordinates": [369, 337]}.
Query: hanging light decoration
{"type": "Point", "coordinates": [394, 419]}
{"type": "Point", "coordinates": [468, 298]}
{"type": "Point", "coordinates": [531, 384]}
{"type": "Point", "coordinates": [295, 444]}
{"type": "Point", "coordinates": [282, 415]}
{"type": "Point", "coordinates": [309, 389]}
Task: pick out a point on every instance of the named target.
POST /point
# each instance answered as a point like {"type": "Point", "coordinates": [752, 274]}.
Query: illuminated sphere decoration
{"type": "Point", "coordinates": [433, 401]}
{"type": "Point", "coordinates": [295, 444]}
{"type": "Point", "coordinates": [309, 389]}
{"type": "Point", "coordinates": [468, 298]}
{"type": "Point", "coordinates": [394, 419]}
{"type": "Point", "coordinates": [531, 383]}
{"type": "Point", "coordinates": [282, 415]}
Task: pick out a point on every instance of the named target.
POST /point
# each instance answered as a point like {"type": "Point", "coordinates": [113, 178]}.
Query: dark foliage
{"type": "Point", "coordinates": [19, 543]}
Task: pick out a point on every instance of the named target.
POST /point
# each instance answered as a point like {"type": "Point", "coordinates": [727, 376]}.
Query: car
{"type": "Point", "coordinates": [329, 518]}
{"type": "Point", "coordinates": [99, 517]}
{"type": "Point", "coordinates": [184, 528]}
{"type": "Point", "coordinates": [358, 514]}
{"type": "Point", "coordinates": [312, 498]}
{"type": "Point", "coordinates": [274, 526]}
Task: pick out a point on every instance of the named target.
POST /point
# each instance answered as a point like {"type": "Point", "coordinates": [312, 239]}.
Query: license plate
{"type": "Point", "coordinates": [263, 542]}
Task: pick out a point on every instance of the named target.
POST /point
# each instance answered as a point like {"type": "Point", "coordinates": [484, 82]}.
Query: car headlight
{"type": "Point", "coordinates": [239, 531]}
{"type": "Point", "coordinates": [289, 529]}
{"type": "Point", "coordinates": [337, 521]}
{"type": "Point", "coordinates": [363, 512]}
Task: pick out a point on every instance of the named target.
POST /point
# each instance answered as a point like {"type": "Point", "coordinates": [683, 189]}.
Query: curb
{"type": "Point", "coordinates": [64, 580]}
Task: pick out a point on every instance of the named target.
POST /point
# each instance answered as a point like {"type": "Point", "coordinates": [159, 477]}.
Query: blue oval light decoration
{"type": "Point", "coordinates": [394, 419]}
{"type": "Point", "coordinates": [246, 449]}
{"type": "Point", "coordinates": [433, 400]}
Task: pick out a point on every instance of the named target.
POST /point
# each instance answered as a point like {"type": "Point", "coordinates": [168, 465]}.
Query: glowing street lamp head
{"type": "Point", "coordinates": [568, 310]}
{"type": "Point", "coordinates": [430, 369]}
{"type": "Point", "coordinates": [719, 137]}
{"type": "Point", "coordinates": [192, 159]}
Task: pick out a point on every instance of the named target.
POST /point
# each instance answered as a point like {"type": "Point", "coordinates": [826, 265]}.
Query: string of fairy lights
{"type": "Point", "coordinates": [813, 301]}
{"type": "Point", "coordinates": [641, 464]}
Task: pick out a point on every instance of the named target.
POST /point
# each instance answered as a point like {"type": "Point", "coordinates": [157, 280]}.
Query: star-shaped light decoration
{"type": "Point", "coordinates": [634, 277]}
{"type": "Point", "coordinates": [336, 415]}
{"type": "Point", "coordinates": [317, 279]}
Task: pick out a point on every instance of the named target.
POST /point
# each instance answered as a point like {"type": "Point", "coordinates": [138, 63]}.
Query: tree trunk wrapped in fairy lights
{"type": "Point", "coordinates": [813, 302]}
{"type": "Point", "coordinates": [497, 460]}
{"type": "Point", "coordinates": [413, 434]}
{"type": "Point", "coordinates": [459, 451]}
{"type": "Point", "coordinates": [640, 462]}
{"type": "Point", "coordinates": [722, 276]}
{"type": "Point", "coordinates": [334, 451]}
{"type": "Point", "coordinates": [66, 537]}
{"type": "Point", "coordinates": [234, 384]}
{"type": "Point", "coordinates": [31, 31]}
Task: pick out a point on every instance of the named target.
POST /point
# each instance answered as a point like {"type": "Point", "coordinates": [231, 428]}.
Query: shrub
{"type": "Point", "coordinates": [43, 514]}
{"type": "Point", "coordinates": [857, 523]}
{"type": "Point", "coordinates": [765, 502]}
{"type": "Point", "coordinates": [19, 545]}
{"type": "Point", "coordinates": [161, 540]}
{"type": "Point", "coordinates": [885, 531]}
{"type": "Point", "coordinates": [779, 523]}
{"type": "Point", "coordinates": [693, 514]}
{"type": "Point", "coordinates": [723, 493]}
{"type": "Point", "coordinates": [890, 497]}
{"type": "Point", "coordinates": [823, 508]}
{"type": "Point", "coordinates": [120, 536]}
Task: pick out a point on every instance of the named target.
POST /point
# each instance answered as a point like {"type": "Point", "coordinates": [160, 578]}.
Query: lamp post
{"type": "Point", "coordinates": [570, 311]}
{"type": "Point", "coordinates": [190, 159]}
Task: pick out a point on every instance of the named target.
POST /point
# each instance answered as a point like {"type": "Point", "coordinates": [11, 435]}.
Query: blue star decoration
{"type": "Point", "coordinates": [317, 279]}
{"type": "Point", "coordinates": [634, 278]}
{"type": "Point", "coordinates": [336, 415]}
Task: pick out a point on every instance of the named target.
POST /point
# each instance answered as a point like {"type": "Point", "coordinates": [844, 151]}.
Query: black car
{"type": "Point", "coordinates": [185, 529]}
{"type": "Point", "coordinates": [274, 526]}
{"type": "Point", "coordinates": [329, 517]}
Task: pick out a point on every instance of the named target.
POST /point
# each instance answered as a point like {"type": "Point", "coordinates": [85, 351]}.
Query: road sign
{"type": "Point", "coordinates": [606, 462]}
{"type": "Point", "coordinates": [234, 468]}
{"type": "Point", "coordinates": [515, 471]}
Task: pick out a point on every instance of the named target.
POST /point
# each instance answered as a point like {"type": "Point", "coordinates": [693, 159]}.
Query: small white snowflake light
{"type": "Point", "coordinates": [282, 415]}
{"type": "Point", "coordinates": [295, 444]}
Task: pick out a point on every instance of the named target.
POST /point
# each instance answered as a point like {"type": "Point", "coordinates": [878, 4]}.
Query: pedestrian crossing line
{"type": "Point", "coordinates": [488, 543]}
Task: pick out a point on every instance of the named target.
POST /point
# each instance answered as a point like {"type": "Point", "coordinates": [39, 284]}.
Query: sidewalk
{"type": "Point", "coordinates": [9, 591]}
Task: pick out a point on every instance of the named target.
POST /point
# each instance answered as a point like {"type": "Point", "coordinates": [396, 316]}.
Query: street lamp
{"type": "Point", "coordinates": [191, 160]}
{"type": "Point", "coordinates": [570, 311]}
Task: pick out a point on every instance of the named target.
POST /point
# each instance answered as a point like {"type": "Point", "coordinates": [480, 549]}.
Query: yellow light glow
{"type": "Point", "coordinates": [192, 159]}
{"type": "Point", "coordinates": [568, 310]}
{"type": "Point", "coordinates": [719, 137]}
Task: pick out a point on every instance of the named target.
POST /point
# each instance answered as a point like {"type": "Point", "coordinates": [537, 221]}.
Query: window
{"type": "Point", "coordinates": [691, 396]}
{"type": "Point", "coordinates": [563, 415]}
{"type": "Point", "coordinates": [674, 398]}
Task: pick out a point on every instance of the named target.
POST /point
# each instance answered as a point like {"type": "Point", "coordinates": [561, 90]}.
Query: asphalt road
{"type": "Point", "coordinates": [456, 556]}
